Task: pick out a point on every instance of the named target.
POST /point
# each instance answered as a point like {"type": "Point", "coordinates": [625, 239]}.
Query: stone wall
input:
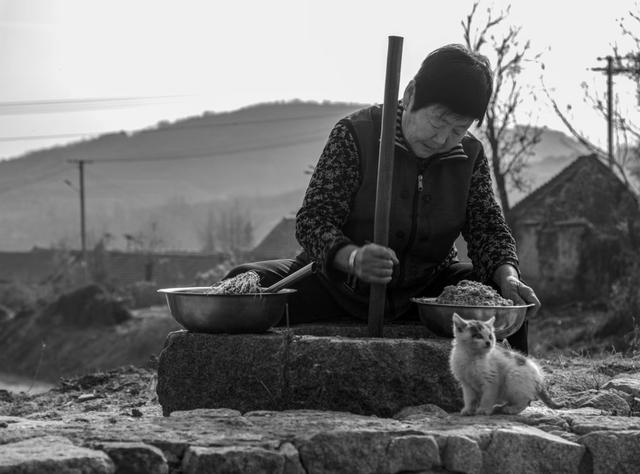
{"type": "Point", "coordinates": [120, 268]}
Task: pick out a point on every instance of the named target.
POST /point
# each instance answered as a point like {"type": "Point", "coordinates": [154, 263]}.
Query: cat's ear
{"type": "Point", "coordinates": [491, 321]}
{"type": "Point", "coordinates": [458, 322]}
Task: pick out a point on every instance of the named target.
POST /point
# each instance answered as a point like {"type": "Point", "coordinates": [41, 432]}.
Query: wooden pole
{"type": "Point", "coordinates": [610, 110]}
{"type": "Point", "coordinates": [377, 297]}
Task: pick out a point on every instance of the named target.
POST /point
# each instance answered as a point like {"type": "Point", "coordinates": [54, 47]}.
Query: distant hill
{"type": "Point", "coordinates": [176, 173]}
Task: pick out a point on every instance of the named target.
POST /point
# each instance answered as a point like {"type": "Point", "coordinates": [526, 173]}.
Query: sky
{"type": "Point", "coordinates": [73, 69]}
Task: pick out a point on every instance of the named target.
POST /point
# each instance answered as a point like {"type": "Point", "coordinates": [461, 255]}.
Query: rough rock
{"type": "Point", "coordinates": [333, 374]}
{"type": "Point", "coordinates": [136, 458]}
{"type": "Point", "coordinates": [607, 401]}
{"type": "Point", "coordinates": [336, 329]}
{"type": "Point", "coordinates": [585, 423]}
{"type": "Point", "coordinates": [462, 454]}
{"type": "Point", "coordinates": [420, 411]}
{"type": "Point", "coordinates": [89, 305]}
{"type": "Point", "coordinates": [277, 371]}
{"type": "Point", "coordinates": [521, 450]}
{"type": "Point", "coordinates": [52, 454]}
{"type": "Point", "coordinates": [412, 453]}
{"type": "Point", "coordinates": [292, 464]}
{"type": "Point", "coordinates": [242, 372]}
{"type": "Point", "coordinates": [308, 441]}
{"type": "Point", "coordinates": [628, 383]}
{"type": "Point", "coordinates": [613, 453]}
{"type": "Point", "coordinates": [201, 460]}
{"type": "Point", "coordinates": [365, 451]}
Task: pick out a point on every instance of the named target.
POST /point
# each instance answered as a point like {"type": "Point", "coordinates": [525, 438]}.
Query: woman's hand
{"type": "Point", "coordinates": [512, 288]}
{"type": "Point", "coordinates": [374, 263]}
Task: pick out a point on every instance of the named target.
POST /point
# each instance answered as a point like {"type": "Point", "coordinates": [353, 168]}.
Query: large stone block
{"type": "Point", "coordinates": [243, 372]}
{"type": "Point", "coordinates": [52, 454]}
{"type": "Point", "coordinates": [280, 370]}
{"type": "Point", "coordinates": [613, 452]}
{"type": "Point", "coordinates": [528, 450]}
{"type": "Point", "coordinates": [369, 376]}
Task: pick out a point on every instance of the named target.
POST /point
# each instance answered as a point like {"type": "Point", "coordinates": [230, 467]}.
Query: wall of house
{"type": "Point", "coordinates": [550, 258]}
{"type": "Point", "coordinates": [570, 232]}
{"type": "Point", "coordinates": [569, 261]}
{"type": "Point", "coordinates": [526, 235]}
{"type": "Point", "coordinates": [559, 261]}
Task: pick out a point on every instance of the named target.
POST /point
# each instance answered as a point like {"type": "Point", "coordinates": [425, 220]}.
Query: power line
{"type": "Point", "coordinates": [175, 127]}
{"type": "Point", "coordinates": [306, 139]}
{"type": "Point", "coordinates": [29, 182]}
{"type": "Point", "coordinates": [13, 103]}
{"type": "Point", "coordinates": [32, 181]}
{"type": "Point", "coordinates": [46, 137]}
{"type": "Point", "coordinates": [49, 106]}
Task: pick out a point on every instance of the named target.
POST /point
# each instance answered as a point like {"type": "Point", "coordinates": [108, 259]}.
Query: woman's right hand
{"type": "Point", "coordinates": [374, 263]}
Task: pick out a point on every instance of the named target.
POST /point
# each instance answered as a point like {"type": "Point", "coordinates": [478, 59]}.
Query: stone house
{"type": "Point", "coordinates": [574, 231]}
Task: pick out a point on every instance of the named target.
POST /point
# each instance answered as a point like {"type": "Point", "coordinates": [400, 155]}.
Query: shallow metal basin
{"type": "Point", "coordinates": [438, 317]}
{"type": "Point", "coordinates": [247, 313]}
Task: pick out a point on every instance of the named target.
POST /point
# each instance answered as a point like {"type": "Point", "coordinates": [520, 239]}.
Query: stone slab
{"type": "Point", "coordinates": [52, 454]}
{"type": "Point", "coordinates": [613, 452]}
{"type": "Point", "coordinates": [281, 370]}
{"type": "Point", "coordinates": [299, 441]}
{"type": "Point", "coordinates": [243, 372]}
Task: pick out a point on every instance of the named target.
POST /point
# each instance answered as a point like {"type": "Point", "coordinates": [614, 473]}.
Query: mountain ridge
{"type": "Point", "coordinates": [254, 154]}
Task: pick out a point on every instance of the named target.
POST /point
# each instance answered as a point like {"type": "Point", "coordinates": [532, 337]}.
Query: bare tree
{"type": "Point", "coordinates": [510, 144]}
{"type": "Point", "coordinates": [626, 132]}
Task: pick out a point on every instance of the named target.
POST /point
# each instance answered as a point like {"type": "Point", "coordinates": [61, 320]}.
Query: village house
{"type": "Point", "coordinates": [574, 232]}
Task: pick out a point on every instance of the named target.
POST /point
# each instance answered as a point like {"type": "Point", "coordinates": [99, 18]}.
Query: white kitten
{"type": "Point", "coordinates": [493, 379]}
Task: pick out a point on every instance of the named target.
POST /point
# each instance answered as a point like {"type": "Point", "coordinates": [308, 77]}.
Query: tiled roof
{"type": "Point", "coordinates": [566, 175]}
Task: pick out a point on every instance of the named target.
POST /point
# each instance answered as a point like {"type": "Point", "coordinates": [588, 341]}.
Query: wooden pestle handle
{"type": "Point", "coordinates": [377, 296]}
{"type": "Point", "coordinates": [294, 277]}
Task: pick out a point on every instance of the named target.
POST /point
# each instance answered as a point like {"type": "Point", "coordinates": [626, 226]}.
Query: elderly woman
{"type": "Point", "coordinates": [441, 188]}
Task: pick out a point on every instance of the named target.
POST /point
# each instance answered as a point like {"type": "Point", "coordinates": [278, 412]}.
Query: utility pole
{"type": "Point", "coordinates": [83, 230]}
{"type": "Point", "coordinates": [610, 70]}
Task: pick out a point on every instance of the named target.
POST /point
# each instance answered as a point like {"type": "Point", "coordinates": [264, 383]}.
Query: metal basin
{"type": "Point", "coordinates": [247, 313]}
{"type": "Point", "coordinates": [438, 317]}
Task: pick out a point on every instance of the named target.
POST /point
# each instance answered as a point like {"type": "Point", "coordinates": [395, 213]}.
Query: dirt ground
{"type": "Point", "coordinates": [571, 330]}
{"type": "Point", "coordinates": [130, 391]}
{"type": "Point", "coordinates": [561, 340]}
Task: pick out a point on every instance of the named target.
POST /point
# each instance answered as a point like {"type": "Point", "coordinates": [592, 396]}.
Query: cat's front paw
{"type": "Point", "coordinates": [484, 411]}
{"type": "Point", "coordinates": [467, 411]}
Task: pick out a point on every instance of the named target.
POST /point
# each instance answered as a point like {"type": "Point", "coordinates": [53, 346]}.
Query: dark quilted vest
{"type": "Point", "coordinates": [424, 223]}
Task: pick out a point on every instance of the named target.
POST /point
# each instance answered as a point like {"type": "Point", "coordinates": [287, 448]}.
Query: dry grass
{"type": "Point", "coordinates": [571, 331]}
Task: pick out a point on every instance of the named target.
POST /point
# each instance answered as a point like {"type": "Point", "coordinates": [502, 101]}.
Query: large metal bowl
{"type": "Point", "coordinates": [247, 313]}
{"type": "Point", "coordinates": [438, 317]}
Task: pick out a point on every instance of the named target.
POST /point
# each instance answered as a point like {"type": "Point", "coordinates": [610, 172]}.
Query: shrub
{"type": "Point", "coordinates": [19, 296]}
{"type": "Point", "coordinates": [143, 294]}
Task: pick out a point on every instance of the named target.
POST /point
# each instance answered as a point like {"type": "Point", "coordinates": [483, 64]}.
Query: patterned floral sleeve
{"type": "Point", "coordinates": [489, 240]}
{"type": "Point", "coordinates": [328, 199]}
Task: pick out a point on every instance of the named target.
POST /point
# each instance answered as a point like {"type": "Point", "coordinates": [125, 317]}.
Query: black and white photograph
{"type": "Point", "coordinates": [314, 237]}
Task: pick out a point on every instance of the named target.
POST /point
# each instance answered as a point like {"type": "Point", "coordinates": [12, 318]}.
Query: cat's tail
{"type": "Point", "coordinates": [546, 398]}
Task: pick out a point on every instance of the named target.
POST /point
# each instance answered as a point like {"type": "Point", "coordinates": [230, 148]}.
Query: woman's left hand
{"type": "Point", "coordinates": [511, 287]}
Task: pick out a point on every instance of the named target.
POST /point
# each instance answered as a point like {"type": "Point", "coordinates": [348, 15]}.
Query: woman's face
{"type": "Point", "coordinates": [432, 129]}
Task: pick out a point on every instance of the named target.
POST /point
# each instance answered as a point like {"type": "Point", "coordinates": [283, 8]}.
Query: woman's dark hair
{"type": "Point", "coordinates": [457, 78]}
